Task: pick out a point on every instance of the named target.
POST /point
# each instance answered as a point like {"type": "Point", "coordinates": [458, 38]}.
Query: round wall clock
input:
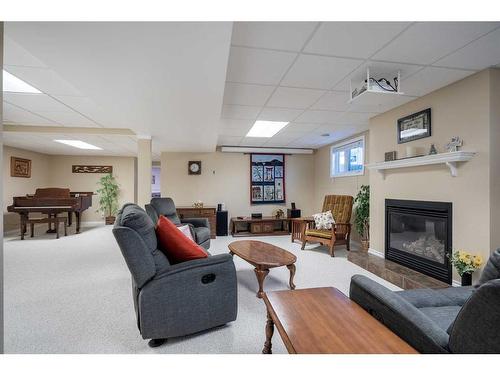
{"type": "Point", "coordinates": [194, 167]}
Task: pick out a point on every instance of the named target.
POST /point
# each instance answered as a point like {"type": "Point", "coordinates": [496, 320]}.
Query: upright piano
{"type": "Point", "coordinates": [52, 202]}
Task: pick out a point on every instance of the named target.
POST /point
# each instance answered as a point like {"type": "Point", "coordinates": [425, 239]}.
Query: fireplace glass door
{"type": "Point", "coordinates": [419, 235]}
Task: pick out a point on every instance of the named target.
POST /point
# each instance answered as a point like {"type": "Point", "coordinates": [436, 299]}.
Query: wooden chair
{"type": "Point", "coordinates": [340, 234]}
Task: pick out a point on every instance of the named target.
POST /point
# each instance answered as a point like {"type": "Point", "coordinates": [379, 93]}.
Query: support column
{"type": "Point", "coordinates": [144, 170]}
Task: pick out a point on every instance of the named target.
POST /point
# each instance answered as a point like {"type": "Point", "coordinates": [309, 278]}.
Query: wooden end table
{"type": "Point", "coordinates": [325, 321]}
{"type": "Point", "coordinates": [264, 256]}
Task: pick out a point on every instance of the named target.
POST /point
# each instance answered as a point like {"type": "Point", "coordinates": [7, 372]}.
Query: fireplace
{"type": "Point", "coordinates": [418, 236]}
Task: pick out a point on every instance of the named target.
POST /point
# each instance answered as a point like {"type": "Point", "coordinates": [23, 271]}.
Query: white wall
{"type": "Point", "coordinates": [225, 178]}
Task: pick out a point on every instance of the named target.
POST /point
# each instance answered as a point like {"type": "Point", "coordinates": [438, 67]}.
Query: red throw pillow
{"type": "Point", "coordinates": [174, 244]}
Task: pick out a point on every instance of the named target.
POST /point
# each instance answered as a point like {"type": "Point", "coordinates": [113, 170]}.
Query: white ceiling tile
{"type": "Point", "coordinates": [20, 116]}
{"type": "Point", "coordinates": [228, 140]}
{"type": "Point", "coordinates": [87, 107]}
{"type": "Point", "coordinates": [237, 93]}
{"type": "Point", "coordinates": [377, 70]}
{"type": "Point", "coordinates": [333, 101]}
{"type": "Point", "coordinates": [480, 54]}
{"type": "Point", "coordinates": [249, 65]}
{"type": "Point", "coordinates": [279, 114]}
{"type": "Point", "coordinates": [289, 36]}
{"type": "Point", "coordinates": [426, 42]}
{"type": "Point", "coordinates": [355, 118]}
{"type": "Point", "coordinates": [318, 72]}
{"type": "Point", "coordinates": [253, 141]}
{"type": "Point", "coordinates": [34, 102]}
{"type": "Point", "coordinates": [244, 112]}
{"type": "Point", "coordinates": [234, 132]}
{"type": "Point", "coordinates": [278, 142]}
{"type": "Point", "coordinates": [379, 103]}
{"type": "Point", "coordinates": [16, 55]}
{"type": "Point", "coordinates": [68, 118]}
{"type": "Point", "coordinates": [353, 39]}
{"type": "Point", "coordinates": [299, 128]}
{"type": "Point", "coordinates": [430, 79]}
{"type": "Point", "coordinates": [43, 79]}
{"type": "Point", "coordinates": [287, 97]}
{"type": "Point", "coordinates": [235, 123]}
{"type": "Point", "coordinates": [319, 117]}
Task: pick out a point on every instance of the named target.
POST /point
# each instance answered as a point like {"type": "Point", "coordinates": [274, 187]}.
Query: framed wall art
{"type": "Point", "coordinates": [414, 126]}
{"type": "Point", "coordinates": [267, 178]}
{"type": "Point", "coordinates": [20, 167]}
{"type": "Point", "coordinates": [92, 169]}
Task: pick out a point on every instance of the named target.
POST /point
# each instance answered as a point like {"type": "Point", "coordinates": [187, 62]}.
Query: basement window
{"type": "Point", "coordinates": [348, 158]}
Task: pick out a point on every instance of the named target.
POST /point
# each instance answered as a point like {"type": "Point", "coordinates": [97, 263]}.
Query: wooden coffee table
{"type": "Point", "coordinates": [323, 320]}
{"type": "Point", "coordinates": [264, 256]}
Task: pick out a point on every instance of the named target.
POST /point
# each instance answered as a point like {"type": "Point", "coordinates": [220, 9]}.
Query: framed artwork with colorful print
{"type": "Point", "coordinates": [267, 178]}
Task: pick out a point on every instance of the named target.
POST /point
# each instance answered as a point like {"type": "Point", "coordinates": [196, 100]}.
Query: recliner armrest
{"type": "Point", "coordinates": [404, 319]}
{"type": "Point", "coordinates": [196, 222]}
{"type": "Point", "coordinates": [193, 264]}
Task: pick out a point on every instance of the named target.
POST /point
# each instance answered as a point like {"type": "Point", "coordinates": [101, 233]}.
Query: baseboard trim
{"type": "Point", "coordinates": [376, 253]}
{"type": "Point", "coordinates": [82, 224]}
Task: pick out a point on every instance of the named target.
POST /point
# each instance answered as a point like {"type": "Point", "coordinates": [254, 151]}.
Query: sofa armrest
{"type": "Point", "coordinates": [196, 222]}
{"type": "Point", "coordinates": [399, 315]}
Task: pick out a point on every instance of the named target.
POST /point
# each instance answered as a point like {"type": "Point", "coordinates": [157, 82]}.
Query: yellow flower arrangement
{"type": "Point", "coordinates": [465, 262]}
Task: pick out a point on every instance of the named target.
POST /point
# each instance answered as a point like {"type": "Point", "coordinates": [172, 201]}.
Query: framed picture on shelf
{"type": "Point", "coordinates": [267, 178]}
{"type": "Point", "coordinates": [414, 126]}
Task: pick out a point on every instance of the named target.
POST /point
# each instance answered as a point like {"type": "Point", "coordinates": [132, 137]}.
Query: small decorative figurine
{"type": "Point", "coordinates": [279, 213]}
{"type": "Point", "coordinates": [455, 143]}
{"type": "Point", "coordinates": [433, 150]}
{"type": "Point", "coordinates": [198, 204]}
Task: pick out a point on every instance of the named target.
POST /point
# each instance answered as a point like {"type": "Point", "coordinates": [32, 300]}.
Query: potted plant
{"type": "Point", "coordinates": [465, 264]}
{"type": "Point", "coordinates": [362, 215]}
{"type": "Point", "coordinates": [108, 197]}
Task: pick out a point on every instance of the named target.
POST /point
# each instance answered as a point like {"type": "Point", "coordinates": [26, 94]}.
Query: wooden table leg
{"type": "Point", "coordinates": [56, 225]}
{"type": "Point", "coordinates": [32, 227]}
{"type": "Point", "coordinates": [269, 335]}
{"type": "Point", "coordinates": [22, 224]}
{"type": "Point", "coordinates": [261, 275]}
{"type": "Point", "coordinates": [291, 268]}
{"type": "Point", "coordinates": [77, 214]}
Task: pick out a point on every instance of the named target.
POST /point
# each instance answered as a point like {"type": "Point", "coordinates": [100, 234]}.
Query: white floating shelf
{"type": "Point", "coordinates": [449, 158]}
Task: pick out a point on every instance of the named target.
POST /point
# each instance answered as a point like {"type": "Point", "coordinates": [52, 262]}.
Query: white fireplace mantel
{"type": "Point", "coordinates": [449, 158]}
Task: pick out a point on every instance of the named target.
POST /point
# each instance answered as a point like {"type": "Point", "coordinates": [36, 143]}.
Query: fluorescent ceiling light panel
{"type": "Point", "coordinates": [266, 129]}
{"type": "Point", "coordinates": [78, 144]}
{"type": "Point", "coordinates": [13, 84]}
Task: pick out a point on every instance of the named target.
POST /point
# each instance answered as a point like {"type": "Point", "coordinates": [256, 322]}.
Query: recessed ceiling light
{"type": "Point", "coordinates": [266, 129]}
{"type": "Point", "coordinates": [78, 144]}
{"type": "Point", "coordinates": [13, 84]}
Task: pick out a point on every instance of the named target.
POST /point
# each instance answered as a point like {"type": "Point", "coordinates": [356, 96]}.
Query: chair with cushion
{"type": "Point", "coordinates": [200, 227]}
{"type": "Point", "coordinates": [449, 320]}
{"type": "Point", "coordinates": [178, 299]}
{"type": "Point", "coordinates": [340, 233]}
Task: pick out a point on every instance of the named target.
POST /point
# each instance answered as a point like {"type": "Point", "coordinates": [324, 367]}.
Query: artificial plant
{"type": "Point", "coordinates": [108, 195]}
{"type": "Point", "coordinates": [362, 212]}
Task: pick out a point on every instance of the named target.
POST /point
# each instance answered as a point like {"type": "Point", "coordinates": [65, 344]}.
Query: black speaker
{"type": "Point", "coordinates": [221, 223]}
{"type": "Point", "coordinates": [292, 213]}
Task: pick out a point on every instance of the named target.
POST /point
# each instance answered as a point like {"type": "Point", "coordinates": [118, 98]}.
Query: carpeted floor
{"type": "Point", "coordinates": [73, 295]}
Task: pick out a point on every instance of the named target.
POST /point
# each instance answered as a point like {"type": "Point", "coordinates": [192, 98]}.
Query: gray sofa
{"type": "Point", "coordinates": [200, 227]}
{"type": "Point", "coordinates": [173, 300]}
{"type": "Point", "coordinates": [449, 320]}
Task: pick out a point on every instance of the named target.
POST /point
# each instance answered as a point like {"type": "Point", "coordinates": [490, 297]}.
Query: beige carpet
{"type": "Point", "coordinates": [73, 295]}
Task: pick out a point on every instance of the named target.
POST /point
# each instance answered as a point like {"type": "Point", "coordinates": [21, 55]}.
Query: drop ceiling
{"type": "Point", "coordinates": [301, 72]}
{"type": "Point", "coordinates": [194, 85]}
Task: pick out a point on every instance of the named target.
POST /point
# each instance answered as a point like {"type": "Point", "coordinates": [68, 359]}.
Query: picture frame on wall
{"type": "Point", "coordinates": [414, 126]}
{"type": "Point", "coordinates": [267, 178]}
{"type": "Point", "coordinates": [20, 167]}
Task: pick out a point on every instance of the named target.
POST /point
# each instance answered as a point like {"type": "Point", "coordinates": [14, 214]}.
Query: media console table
{"type": "Point", "coordinates": [265, 226]}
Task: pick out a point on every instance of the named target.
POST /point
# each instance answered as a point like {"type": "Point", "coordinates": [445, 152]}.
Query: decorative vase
{"type": "Point", "coordinates": [467, 279]}
{"type": "Point", "coordinates": [365, 244]}
{"type": "Point", "coordinates": [109, 220]}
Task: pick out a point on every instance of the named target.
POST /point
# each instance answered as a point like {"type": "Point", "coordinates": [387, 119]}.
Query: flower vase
{"type": "Point", "coordinates": [466, 279]}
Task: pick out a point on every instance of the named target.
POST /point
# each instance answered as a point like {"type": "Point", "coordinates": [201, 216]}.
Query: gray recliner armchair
{"type": "Point", "coordinates": [449, 320]}
{"type": "Point", "coordinates": [200, 227]}
{"type": "Point", "coordinates": [173, 300]}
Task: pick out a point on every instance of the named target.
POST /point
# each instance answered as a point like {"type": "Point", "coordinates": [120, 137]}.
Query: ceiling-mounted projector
{"type": "Point", "coordinates": [376, 85]}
